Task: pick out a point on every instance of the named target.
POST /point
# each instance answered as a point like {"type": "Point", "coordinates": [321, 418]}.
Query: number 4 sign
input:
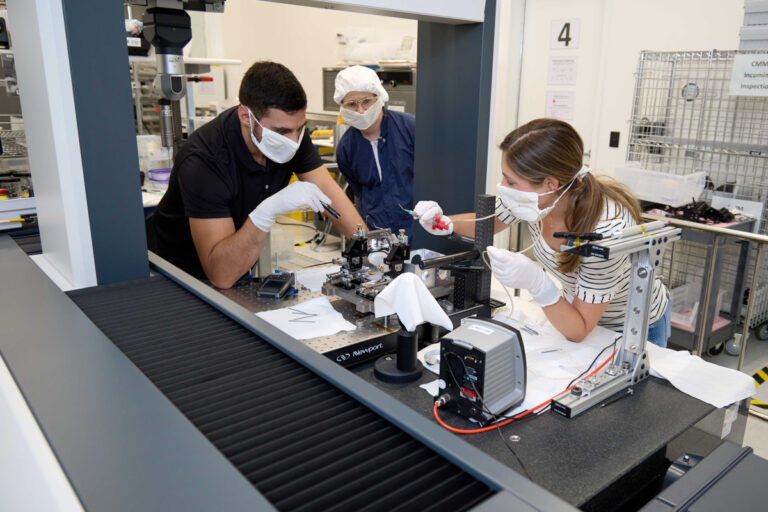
{"type": "Point", "coordinates": [564, 34]}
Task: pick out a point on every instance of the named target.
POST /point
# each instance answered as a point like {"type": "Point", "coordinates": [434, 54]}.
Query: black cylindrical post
{"type": "Point", "coordinates": [404, 366]}
{"type": "Point", "coordinates": [407, 347]}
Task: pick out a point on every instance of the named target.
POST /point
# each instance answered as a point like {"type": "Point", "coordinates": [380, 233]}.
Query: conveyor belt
{"type": "Point", "coordinates": [303, 443]}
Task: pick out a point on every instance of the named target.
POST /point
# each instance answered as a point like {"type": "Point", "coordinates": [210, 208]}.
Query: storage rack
{"type": "Point", "coordinates": [14, 144]}
{"type": "Point", "coordinates": [144, 97]}
{"type": "Point", "coordinates": [684, 120]}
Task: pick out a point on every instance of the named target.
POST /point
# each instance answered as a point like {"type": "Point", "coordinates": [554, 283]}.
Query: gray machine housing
{"type": "Point", "coordinates": [483, 368]}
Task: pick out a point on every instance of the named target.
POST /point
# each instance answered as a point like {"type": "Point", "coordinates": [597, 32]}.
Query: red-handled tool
{"type": "Point", "coordinates": [439, 224]}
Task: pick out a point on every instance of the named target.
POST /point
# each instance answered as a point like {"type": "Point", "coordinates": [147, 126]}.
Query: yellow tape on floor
{"type": "Point", "coordinates": [760, 376]}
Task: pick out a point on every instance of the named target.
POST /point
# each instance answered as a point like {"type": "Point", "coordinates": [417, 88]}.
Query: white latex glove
{"type": "Point", "coordinates": [514, 270]}
{"type": "Point", "coordinates": [428, 212]}
{"type": "Point", "coordinates": [298, 194]}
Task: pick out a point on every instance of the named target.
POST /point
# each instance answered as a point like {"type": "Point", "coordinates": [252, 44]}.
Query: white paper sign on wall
{"type": "Point", "coordinates": [564, 34]}
{"type": "Point", "coordinates": [561, 70]}
{"type": "Point", "coordinates": [559, 105]}
{"type": "Point", "coordinates": [750, 75]}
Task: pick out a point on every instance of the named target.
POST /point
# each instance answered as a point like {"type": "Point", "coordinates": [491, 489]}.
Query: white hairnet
{"type": "Point", "coordinates": [358, 79]}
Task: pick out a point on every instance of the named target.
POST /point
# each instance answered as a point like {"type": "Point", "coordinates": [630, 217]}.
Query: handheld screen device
{"type": "Point", "coordinates": [275, 285]}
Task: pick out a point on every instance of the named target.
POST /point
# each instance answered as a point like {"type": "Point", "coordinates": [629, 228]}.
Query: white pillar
{"type": "Point", "coordinates": [48, 107]}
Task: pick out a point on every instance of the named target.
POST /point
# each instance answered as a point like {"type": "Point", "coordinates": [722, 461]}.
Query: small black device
{"type": "Point", "coordinates": [613, 140]}
{"type": "Point", "coordinates": [276, 285]}
{"type": "Point", "coordinates": [588, 237]}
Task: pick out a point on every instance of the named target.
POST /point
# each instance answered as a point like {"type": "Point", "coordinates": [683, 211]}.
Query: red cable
{"type": "Point", "coordinates": [517, 417]}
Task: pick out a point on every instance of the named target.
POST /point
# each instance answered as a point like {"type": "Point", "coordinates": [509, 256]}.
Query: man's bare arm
{"type": "Point", "coordinates": [225, 253]}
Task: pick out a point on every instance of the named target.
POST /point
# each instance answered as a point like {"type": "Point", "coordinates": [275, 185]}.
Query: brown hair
{"type": "Point", "coordinates": [549, 147]}
{"type": "Point", "coordinates": [271, 85]}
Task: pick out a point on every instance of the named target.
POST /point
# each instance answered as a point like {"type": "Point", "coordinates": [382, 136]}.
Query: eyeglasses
{"type": "Point", "coordinates": [365, 102]}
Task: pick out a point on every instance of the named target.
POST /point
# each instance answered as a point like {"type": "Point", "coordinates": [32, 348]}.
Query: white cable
{"type": "Point", "coordinates": [494, 214]}
{"type": "Point", "coordinates": [484, 255]}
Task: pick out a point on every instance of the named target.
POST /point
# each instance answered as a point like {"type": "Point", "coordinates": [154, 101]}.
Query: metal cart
{"type": "Point", "coordinates": [684, 120]}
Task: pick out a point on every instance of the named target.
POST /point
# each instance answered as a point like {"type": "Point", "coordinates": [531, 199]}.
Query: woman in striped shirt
{"type": "Point", "coordinates": [545, 185]}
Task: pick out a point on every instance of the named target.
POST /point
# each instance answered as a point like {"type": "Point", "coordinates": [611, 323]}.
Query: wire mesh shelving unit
{"type": "Point", "coordinates": [684, 120]}
{"type": "Point", "coordinates": [13, 144]}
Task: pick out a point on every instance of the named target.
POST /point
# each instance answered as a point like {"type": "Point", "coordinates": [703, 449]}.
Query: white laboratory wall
{"type": "Point", "coordinates": [301, 38]}
{"type": "Point", "coordinates": [613, 32]}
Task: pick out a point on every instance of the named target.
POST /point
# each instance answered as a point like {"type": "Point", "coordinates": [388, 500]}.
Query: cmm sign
{"type": "Point", "coordinates": [750, 75]}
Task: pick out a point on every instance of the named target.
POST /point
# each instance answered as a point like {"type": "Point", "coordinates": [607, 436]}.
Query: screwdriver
{"type": "Point", "coordinates": [436, 222]}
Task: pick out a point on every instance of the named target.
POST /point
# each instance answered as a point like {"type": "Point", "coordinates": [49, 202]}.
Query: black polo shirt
{"type": "Point", "coordinates": [214, 176]}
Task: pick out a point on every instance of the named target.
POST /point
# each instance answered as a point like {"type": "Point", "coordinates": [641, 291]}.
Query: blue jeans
{"type": "Point", "coordinates": [660, 330]}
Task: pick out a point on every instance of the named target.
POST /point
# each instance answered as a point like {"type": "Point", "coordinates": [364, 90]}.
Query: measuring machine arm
{"type": "Point", "coordinates": [645, 245]}
{"type": "Point", "coordinates": [168, 28]}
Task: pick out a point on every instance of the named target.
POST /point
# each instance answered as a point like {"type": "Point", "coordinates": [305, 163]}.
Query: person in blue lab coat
{"type": "Point", "coordinates": [376, 153]}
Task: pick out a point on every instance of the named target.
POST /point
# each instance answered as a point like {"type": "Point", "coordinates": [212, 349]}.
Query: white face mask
{"type": "Point", "coordinates": [525, 205]}
{"type": "Point", "coordinates": [274, 146]}
{"type": "Point", "coordinates": [366, 119]}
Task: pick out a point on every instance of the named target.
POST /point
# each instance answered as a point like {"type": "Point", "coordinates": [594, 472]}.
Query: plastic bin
{"type": "Point", "coordinates": [661, 187]}
{"type": "Point", "coordinates": [158, 179]}
{"type": "Point", "coordinates": [755, 12]}
{"type": "Point", "coordinates": [152, 155]}
{"type": "Point", "coordinates": [685, 304]}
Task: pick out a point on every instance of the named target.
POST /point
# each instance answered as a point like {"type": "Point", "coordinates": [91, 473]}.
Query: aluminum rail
{"type": "Point", "coordinates": [760, 240]}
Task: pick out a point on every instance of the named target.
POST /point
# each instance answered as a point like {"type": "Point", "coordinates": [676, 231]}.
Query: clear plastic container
{"type": "Point", "coordinates": [685, 304]}
{"type": "Point", "coordinates": [152, 154]}
{"type": "Point", "coordinates": [158, 179]}
{"type": "Point", "coordinates": [660, 187]}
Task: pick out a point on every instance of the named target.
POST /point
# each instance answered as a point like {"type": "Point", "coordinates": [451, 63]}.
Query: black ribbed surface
{"type": "Point", "coordinates": [29, 242]}
{"type": "Point", "coordinates": [303, 443]}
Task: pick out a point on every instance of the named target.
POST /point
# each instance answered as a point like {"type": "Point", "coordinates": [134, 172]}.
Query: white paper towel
{"type": "Point", "coordinates": [692, 375]}
{"type": "Point", "coordinates": [553, 361]}
{"type": "Point", "coordinates": [408, 296]}
{"type": "Point", "coordinates": [309, 319]}
{"type": "Point", "coordinates": [313, 278]}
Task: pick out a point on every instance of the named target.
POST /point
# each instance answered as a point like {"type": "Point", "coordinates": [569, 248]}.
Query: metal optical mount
{"type": "Point", "coordinates": [645, 244]}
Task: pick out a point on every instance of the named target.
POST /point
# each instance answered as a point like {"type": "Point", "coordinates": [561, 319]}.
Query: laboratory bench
{"type": "Point", "coordinates": [196, 403]}
{"type": "Point", "coordinates": [609, 458]}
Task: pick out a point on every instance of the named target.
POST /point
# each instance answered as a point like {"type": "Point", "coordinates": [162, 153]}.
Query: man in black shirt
{"type": "Point", "coordinates": [230, 181]}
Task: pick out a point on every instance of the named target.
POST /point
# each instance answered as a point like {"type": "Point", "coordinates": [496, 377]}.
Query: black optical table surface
{"type": "Point", "coordinates": [124, 446]}
{"type": "Point", "coordinates": [574, 458]}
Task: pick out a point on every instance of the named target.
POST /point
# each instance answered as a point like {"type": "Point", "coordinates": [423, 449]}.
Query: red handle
{"type": "Point", "coordinates": [438, 224]}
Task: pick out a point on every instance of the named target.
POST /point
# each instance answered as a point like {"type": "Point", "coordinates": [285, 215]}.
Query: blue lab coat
{"type": "Point", "coordinates": [379, 200]}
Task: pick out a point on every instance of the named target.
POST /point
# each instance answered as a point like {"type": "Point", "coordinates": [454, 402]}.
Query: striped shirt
{"type": "Point", "coordinates": [596, 281]}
